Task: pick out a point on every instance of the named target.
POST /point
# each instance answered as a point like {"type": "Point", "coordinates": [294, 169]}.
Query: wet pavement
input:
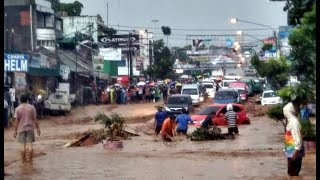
{"type": "Point", "coordinates": [255, 154]}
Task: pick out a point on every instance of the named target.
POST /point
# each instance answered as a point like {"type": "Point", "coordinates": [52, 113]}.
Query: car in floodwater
{"type": "Point", "coordinates": [225, 96]}
{"type": "Point", "coordinates": [269, 97]}
{"type": "Point", "coordinates": [218, 111]}
{"type": "Point", "coordinates": [177, 102]}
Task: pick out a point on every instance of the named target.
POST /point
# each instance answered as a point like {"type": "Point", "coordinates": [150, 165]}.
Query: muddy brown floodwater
{"type": "Point", "coordinates": [256, 154]}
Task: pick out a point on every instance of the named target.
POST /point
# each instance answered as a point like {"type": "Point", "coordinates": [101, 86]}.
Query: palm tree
{"type": "Point", "coordinates": [166, 31]}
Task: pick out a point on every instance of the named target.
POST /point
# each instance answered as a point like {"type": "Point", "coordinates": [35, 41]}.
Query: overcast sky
{"type": "Point", "coordinates": [189, 14]}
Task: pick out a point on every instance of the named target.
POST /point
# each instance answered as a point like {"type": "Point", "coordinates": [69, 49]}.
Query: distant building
{"type": "Point", "coordinates": [30, 24]}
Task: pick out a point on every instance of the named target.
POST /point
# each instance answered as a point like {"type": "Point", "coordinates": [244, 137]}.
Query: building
{"type": "Point", "coordinates": [31, 31]}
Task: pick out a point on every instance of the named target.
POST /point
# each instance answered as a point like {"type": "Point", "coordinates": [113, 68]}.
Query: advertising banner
{"type": "Point", "coordinates": [116, 39]}
{"type": "Point", "coordinates": [20, 80]}
{"type": "Point", "coordinates": [16, 62]}
{"type": "Point", "coordinates": [110, 54]}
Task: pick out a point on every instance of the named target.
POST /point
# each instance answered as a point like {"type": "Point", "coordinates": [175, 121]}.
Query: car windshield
{"type": "Point", "coordinates": [269, 94]}
{"type": "Point", "coordinates": [178, 100]}
{"type": "Point", "coordinates": [190, 91]}
{"type": "Point", "coordinates": [208, 110]}
{"type": "Point", "coordinates": [224, 95]}
{"type": "Point", "coordinates": [242, 91]}
{"type": "Point", "coordinates": [226, 83]}
{"type": "Point", "coordinates": [208, 86]}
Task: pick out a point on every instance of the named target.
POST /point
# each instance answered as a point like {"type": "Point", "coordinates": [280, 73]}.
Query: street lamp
{"type": "Point", "coordinates": [235, 20]}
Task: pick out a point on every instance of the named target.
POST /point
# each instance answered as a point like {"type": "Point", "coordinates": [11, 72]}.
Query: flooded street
{"type": "Point", "coordinates": [255, 154]}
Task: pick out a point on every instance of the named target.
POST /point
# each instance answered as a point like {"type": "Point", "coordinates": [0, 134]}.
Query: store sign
{"type": "Point", "coordinates": [270, 40]}
{"type": "Point", "coordinates": [98, 63]}
{"type": "Point", "coordinates": [16, 62]}
{"type": "Point", "coordinates": [126, 38]}
{"type": "Point", "coordinates": [64, 72]}
{"type": "Point", "coordinates": [12, 92]}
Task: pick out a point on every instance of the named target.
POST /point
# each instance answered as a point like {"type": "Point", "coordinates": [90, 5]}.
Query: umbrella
{"type": "Point", "coordinates": [185, 76]}
{"type": "Point", "coordinates": [141, 83]}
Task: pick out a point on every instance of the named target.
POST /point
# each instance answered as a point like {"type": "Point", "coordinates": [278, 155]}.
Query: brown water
{"type": "Point", "coordinates": [255, 154]}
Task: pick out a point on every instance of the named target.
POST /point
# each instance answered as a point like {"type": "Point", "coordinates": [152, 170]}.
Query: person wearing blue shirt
{"type": "Point", "coordinates": [182, 121]}
{"type": "Point", "coordinates": [159, 118]}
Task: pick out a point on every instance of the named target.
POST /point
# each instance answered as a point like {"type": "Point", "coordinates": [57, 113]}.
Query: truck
{"type": "Point", "coordinates": [217, 73]}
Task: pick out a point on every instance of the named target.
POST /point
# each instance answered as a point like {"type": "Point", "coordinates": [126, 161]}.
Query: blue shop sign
{"type": "Point", "coordinates": [16, 62]}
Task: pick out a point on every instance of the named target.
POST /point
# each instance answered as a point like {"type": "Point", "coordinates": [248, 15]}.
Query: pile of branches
{"type": "Point", "coordinates": [203, 134]}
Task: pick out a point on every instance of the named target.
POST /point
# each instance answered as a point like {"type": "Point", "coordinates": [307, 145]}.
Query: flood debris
{"type": "Point", "coordinates": [86, 140]}
{"type": "Point", "coordinates": [214, 133]}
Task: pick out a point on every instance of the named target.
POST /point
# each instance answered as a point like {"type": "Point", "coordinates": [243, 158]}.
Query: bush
{"type": "Point", "coordinates": [202, 134]}
{"type": "Point", "coordinates": [276, 113]}
{"type": "Point", "coordinates": [115, 124]}
{"type": "Point", "coordinates": [308, 130]}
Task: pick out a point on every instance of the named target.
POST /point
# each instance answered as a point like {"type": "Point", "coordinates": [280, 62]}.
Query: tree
{"type": "Point", "coordinates": [163, 62]}
{"type": "Point", "coordinates": [166, 31]}
{"type": "Point", "coordinates": [73, 9]}
{"type": "Point", "coordinates": [276, 71]}
{"type": "Point", "coordinates": [303, 52]}
{"type": "Point", "coordinates": [266, 47]}
{"type": "Point", "coordinates": [296, 10]}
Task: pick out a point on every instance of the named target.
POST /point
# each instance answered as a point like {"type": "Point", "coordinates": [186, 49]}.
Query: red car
{"type": "Point", "coordinates": [219, 110]}
{"type": "Point", "coordinates": [242, 88]}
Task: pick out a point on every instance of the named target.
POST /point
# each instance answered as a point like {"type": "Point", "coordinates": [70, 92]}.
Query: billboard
{"type": "Point", "coordinates": [118, 39]}
{"type": "Point", "coordinates": [16, 62]}
{"type": "Point", "coordinates": [110, 54]}
{"type": "Point", "coordinates": [284, 33]}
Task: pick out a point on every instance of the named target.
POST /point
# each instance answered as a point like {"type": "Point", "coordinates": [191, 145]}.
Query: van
{"type": "Point", "coordinates": [242, 88]}
{"type": "Point", "coordinates": [194, 92]}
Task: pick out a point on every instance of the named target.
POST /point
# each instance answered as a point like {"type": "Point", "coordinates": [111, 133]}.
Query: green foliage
{"type": "Point", "coordinates": [308, 130]}
{"type": "Point", "coordinates": [166, 31]}
{"type": "Point", "coordinates": [266, 47]}
{"type": "Point", "coordinates": [163, 62]}
{"type": "Point", "coordinates": [103, 30]}
{"type": "Point", "coordinates": [276, 112]}
{"type": "Point", "coordinates": [115, 122]}
{"type": "Point", "coordinates": [202, 134]}
{"type": "Point", "coordinates": [276, 71]}
{"type": "Point", "coordinates": [303, 53]}
{"type": "Point", "coordinates": [73, 9]}
{"type": "Point", "coordinates": [297, 94]}
{"type": "Point", "coordinates": [296, 9]}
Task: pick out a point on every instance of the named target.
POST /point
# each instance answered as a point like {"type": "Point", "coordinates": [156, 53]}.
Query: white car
{"type": "Point", "coordinates": [210, 88]}
{"type": "Point", "coordinates": [269, 97]}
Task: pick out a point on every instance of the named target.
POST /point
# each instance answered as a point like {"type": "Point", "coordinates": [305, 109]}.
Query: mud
{"type": "Point", "coordinates": [255, 154]}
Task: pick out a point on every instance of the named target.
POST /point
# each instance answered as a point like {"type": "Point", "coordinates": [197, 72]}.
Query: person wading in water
{"type": "Point", "coordinates": [26, 122]}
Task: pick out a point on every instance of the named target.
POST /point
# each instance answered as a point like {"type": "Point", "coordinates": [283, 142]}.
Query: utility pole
{"type": "Point", "coordinates": [107, 13]}
{"type": "Point", "coordinates": [130, 58]}
{"type": "Point", "coordinates": [92, 59]}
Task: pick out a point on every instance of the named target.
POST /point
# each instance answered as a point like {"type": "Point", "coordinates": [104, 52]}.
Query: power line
{"type": "Point", "coordinates": [186, 29]}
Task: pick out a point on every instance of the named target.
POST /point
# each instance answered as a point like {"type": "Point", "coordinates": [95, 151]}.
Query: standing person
{"type": "Point", "coordinates": [294, 149]}
{"type": "Point", "coordinates": [167, 130]}
{"type": "Point", "coordinates": [26, 122]}
{"type": "Point", "coordinates": [165, 93]}
{"type": "Point", "coordinates": [182, 121]}
{"type": "Point", "coordinates": [232, 119]}
{"type": "Point", "coordinates": [156, 94]}
{"type": "Point", "coordinates": [159, 118]}
{"type": "Point", "coordinates": [147, 94]}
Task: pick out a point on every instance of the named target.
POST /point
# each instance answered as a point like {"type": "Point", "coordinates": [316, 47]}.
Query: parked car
{"type": "Point", "coordinates": [258, 87]}
{"type": "Point", "coordinates": [232, 76]}
{"type": "Point", "coordinates": [242, 88]}
{"type": "Point", "coordinates": [269, 97]}
{"type": "Point", "coordinates": [177, 102]}
{"type": "Point", "coordinates": [225, 96]}
{"type": "Point", "coordinates": [218, 111]}
{"type": "Point", "coordinates": [194, 92]}
{"type": "Point", "coordinates": [210, 88]}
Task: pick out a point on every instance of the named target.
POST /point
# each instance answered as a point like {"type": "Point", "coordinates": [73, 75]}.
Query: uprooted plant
{"type": "Point", "coordinates": [114, 124]}
{"type": "Point", "coordinates": [203, 134]}
{"type": "Point", "coordinates": [276, 113]}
